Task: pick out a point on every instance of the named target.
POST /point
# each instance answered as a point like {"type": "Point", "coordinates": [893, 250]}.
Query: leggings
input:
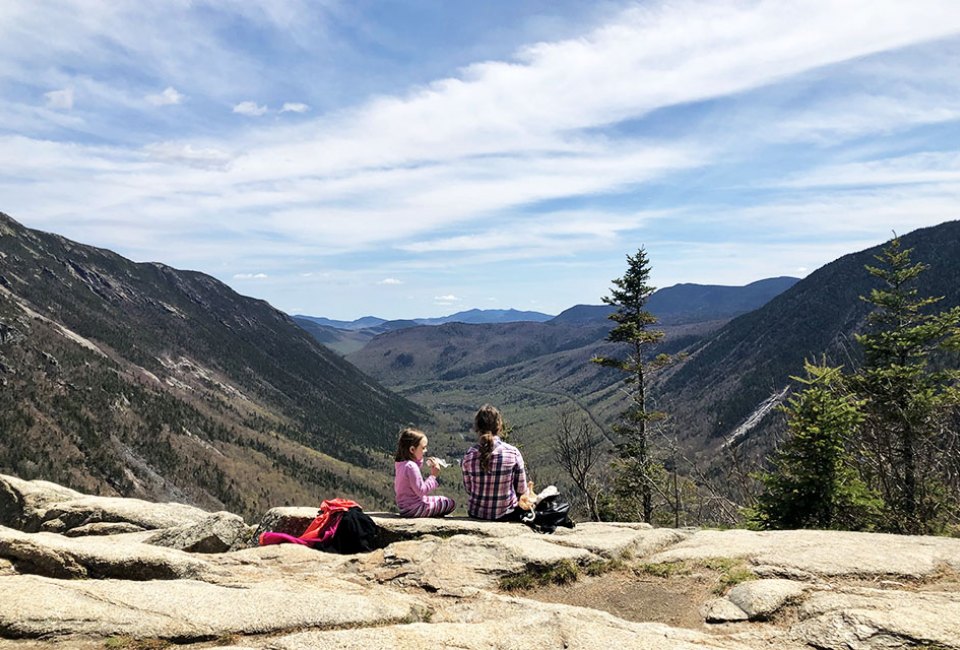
{"type": "Point", "coordinates": [432, 507]}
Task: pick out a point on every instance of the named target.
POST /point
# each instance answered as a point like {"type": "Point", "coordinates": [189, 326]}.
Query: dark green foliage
{"type": "Point", "coordinates": [813, 484]}
{"type": "Point", "coordinates": [752, 357]}
{"type": "Point", "coordinates": [636, 469]}
{"type": "Point", "coordinates": [189, 385]}
{"type": "Point", "coordinates": [907, 435]}
{"type": "Point", "coordinates": [895, 416]}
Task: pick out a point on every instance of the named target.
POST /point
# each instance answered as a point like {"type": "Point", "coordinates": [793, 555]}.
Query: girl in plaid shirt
{"type": "Point", "coordinates": [408, 483]}
{"type": "Point", "coordinates": [493, 472]}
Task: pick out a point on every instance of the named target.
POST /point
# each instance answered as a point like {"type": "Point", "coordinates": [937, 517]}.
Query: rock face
{"type": "Point", "coordinates": [444, 583]}
{"type": "Point", "coordinates": [216, 533]}
{"type": "Point", "coordinates": [34, 506]}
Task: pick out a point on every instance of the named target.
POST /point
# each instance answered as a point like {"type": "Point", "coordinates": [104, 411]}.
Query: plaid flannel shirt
{"type": "Point", "coordinates": [493, 494]}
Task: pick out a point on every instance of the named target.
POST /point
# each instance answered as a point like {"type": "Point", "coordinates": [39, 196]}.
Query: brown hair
{"type": "Point", "coordinates": [488, 423]}
{"type": "Point", "coordinates": [408, 438]}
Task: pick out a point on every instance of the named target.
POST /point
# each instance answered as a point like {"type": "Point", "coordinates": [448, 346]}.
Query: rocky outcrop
{"type": "Point", "coordinates": [34, 506]}
{"type": "Point", "coordinates": [457, 582]}
{"type": "Point", "coordinates": [810, 553]}
{"type": "Point", "coordinates": [121, 557]}
{"type": "Point", "coordinates": [216, 533]}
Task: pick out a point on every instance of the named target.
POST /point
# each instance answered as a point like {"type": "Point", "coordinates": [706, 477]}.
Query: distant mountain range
{"type": "Point", "coordinates": [537, 369]}
{"type": "Point", "coordinates": [691, 303]}
{"type": "Point", "coordinates": [142, 380]}
{"type": "Point", "coordinates": [734, 369]}
{"type": "Point", "coordinates": [682, 303]}
{"type": "Point", "coordinates": [470, 316]}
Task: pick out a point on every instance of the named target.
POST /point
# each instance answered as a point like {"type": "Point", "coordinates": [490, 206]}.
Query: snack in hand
{"type": "Point", "coordinates": [528, 500]}
{"type": "Point", "coordinates": [433, 461]}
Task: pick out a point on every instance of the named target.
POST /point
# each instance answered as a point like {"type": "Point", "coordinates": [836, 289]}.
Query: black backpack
{"type": "Point", "coordinates": [356, 533]}
{"type": "Point", "coordinates": [551, 512]}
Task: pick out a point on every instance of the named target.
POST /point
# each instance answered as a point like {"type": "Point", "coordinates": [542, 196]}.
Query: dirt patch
{"type": "Point", "coordinates": [675, 601]}
{"type": "Point", "coordinates": [674, 593]}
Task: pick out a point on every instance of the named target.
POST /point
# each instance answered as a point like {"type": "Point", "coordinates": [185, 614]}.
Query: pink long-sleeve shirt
{"type": "Point", "coordinates": [410, 486]}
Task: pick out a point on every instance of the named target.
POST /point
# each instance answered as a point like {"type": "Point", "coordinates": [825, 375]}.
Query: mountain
{"type": "Point", "coordinates": [137, 379]}
{"type": "Point", "coordinates": [691, 303]}
{"type": "Point", "coordinates": [683, 303]}
{"type": "Point", "coordinates": [478, 316]}
{"type": "Point", "coordinates": [457, 350]}
{"type": "Point", "coordinates": [535, 370]}
{"type": "Point", "coordinates": [346, 337]}
{"type": "Point", "coordinates": [732, 373]}
{"type": "Point", "coordinates": [341, 341]}
{"type": "Point", "coordinates": [359, 324]}
{"type": "Point", "coordinates": [581, 314]}
{"type": "Point", "coordinates": [735, 370]}
{"type": "Point", "coordinates": [470, 316]}
{"type": "Point", "coordinates": [345, 341]}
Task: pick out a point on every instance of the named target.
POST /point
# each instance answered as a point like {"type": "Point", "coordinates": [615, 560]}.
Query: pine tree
{"type": "Point", "coordinates": [814, 484]}
{"type": "Point", "coordinates": [636, 468]}
{"type": "Point", "coordinates": [908, 400]}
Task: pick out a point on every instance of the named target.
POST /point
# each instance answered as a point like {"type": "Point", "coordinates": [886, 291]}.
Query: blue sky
{"type": "Point", "coordinates": [413, 158]}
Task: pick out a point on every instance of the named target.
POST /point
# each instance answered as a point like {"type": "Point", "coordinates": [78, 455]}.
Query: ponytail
{"type": "Point", "coordinates": [488, 423]}
{"type": "Point", "coordinates": [486, 450]}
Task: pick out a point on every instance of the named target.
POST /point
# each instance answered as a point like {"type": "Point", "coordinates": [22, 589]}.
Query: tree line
{"type": "Point", "coordinates": [873, 447]}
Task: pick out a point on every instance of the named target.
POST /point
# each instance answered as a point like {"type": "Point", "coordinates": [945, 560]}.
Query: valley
{"type": "Point", "coordinates": [141, 380]}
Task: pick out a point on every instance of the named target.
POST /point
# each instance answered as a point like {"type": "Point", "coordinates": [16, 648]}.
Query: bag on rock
{"type": "Point", "coordinates": [551, 511]}
{"type": "Point", "coordinates": [356, 533]}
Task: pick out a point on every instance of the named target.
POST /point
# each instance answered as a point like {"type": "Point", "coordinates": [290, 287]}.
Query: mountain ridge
{"type": "Point", "coordinates": [732, 372]}
{"type": "Point", "coordinates": [730, 368]}
{"type": "Point", "coordinates": [674, 305]}
{"type": "Point", "coordinates": [155, 382]}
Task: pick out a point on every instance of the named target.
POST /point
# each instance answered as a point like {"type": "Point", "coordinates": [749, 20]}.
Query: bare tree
{"type": "Point", "coordinates": [576, 451]}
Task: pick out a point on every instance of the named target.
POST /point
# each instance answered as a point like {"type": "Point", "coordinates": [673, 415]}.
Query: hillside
{"type": "Point", "coordinates": [691, 303]}
{"type": "Point", "coordinates": [733, 367]}
{"type": "Point", "coordinates": [536, 371]}
{"type": "Point", "coordinates": [732, 372]}
{"type": "Point", "coordinates": [676, 305]}
{"type": "Point", "coordinates": [346, 337]}
{"type": "Point", "coordinates": [137, 379]}
{"type": "Point", "coordinates": [341, 341]}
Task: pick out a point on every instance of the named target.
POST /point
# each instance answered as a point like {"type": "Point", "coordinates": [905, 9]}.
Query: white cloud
{"type": "Point", "coordinates": [448, 299]}
{"type": "Point", "coordinates": [845, 212]}
{"type": "Point", "coordinates": [551, 233]}
{"type": "Point", "coordinates": [251, 109]}
{"type": "Point", "coordinates": [60, 99]}
{"type": "Point", "coordinates": [294, 107]}
{"type": "Point", "coordinates": [464, 153]}
{"type": "Point", "coordinates": [168, 97]}
{"type": "Point", "coordinates": [390, 281]}
{"type": "Point", "coordinates": [200, 157]}
{"type": "Point", "coordinates": [915, 168]}
{"type": "Point", "coordinates": [250, 276]}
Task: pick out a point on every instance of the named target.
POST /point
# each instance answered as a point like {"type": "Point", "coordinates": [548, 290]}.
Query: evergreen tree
{"type": "Point", "coordinates": [636, 469]}
{"type": "Point", "coordinates": [908, 400]}
{"type": "Point", "coordinates": [899, 412]}
{"type": "Point", "coordinates": [814, 484]}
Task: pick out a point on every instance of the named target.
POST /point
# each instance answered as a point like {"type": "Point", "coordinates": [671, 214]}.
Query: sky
{"type": "Point", "coordinates": [415, 158]}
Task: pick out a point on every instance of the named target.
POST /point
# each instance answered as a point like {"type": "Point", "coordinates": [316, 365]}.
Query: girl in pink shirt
{"type": "Point", "coordinates": [410, 487]}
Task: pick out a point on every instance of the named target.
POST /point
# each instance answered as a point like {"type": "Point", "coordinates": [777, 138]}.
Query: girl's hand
{"type": "Point", "coordinates": [434, 466]}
